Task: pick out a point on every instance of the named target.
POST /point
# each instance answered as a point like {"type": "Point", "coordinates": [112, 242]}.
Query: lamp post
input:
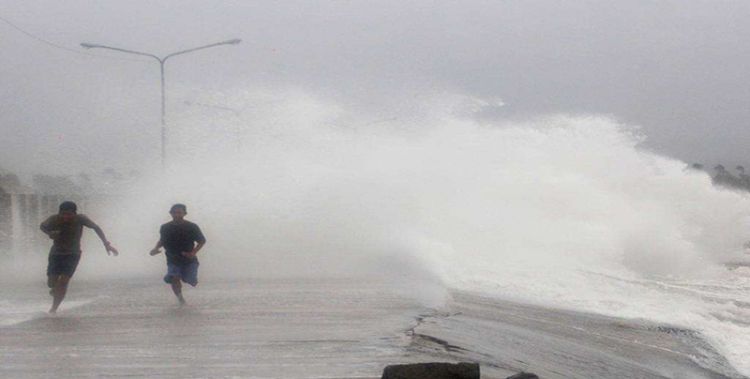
{"type": "Point", "coordinates": [162, 61]}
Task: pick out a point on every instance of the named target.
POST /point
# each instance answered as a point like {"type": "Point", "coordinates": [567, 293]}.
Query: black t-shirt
{"type": "Point", "coordinates": [179, 237]}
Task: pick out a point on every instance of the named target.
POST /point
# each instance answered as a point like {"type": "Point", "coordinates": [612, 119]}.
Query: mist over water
{"type": "Point", "coordinates": [557, 191]}
{"type": "Point", "coordinates": [563, 211]}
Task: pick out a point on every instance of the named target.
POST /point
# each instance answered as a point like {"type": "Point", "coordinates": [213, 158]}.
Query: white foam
{"type": "Point", "coordinates": [516, 209]}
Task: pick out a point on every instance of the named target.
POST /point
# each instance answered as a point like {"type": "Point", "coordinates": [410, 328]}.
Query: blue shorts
{"type": "Point", "coordinates": [188, 273]}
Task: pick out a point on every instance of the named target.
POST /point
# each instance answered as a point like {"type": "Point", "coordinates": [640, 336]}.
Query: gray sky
{"type": "Point", "coordinates": [677, 68]}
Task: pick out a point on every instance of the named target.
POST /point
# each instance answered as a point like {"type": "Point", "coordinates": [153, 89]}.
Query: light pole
{"type": "Point", "coordinates": [161, 61]}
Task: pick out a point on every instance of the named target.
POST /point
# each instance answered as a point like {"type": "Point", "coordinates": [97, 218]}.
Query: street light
{"type": "Point", "coordinates": [161, 61]}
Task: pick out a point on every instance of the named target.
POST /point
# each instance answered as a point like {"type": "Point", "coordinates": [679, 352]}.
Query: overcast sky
{"type": "Point", "coordinates": [677, 68]}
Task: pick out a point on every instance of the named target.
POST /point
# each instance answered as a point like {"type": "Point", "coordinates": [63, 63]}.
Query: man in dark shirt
{"type": "Point", "coordinates": [65, 230]}
{"type": "Point", "coordinates": [182, 240]}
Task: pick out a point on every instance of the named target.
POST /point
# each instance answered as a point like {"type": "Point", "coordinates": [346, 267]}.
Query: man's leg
{"type": "Point", "coordinates": [51, 282]}
{"type": "Point", "coordinates": [173, 278]}
{"type": "Point", "coordinates": [59, 272]}
{"type": "Point", "coordinates": [177, 289]}
{"type": "Point", "coordinates": [53, 272]}
{"type": "Point", "coordinates": [59, 290]}
{"type": "Point", "coordinates": [189, 273]}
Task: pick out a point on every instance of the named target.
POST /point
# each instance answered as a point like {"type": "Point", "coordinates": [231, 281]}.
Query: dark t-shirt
{"type": "Point", "coordinates": [66, 236]}
{"type": "Point", "coordinates": [179, 237]}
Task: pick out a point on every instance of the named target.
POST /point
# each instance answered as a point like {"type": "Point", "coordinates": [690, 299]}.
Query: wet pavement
{"type": "Point", "coordinates": [318, 328]}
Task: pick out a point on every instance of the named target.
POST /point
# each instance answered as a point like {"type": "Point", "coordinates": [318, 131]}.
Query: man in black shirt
{"type": "Point", "coordinates": [182, 240]}
{"type": "Point", "coordinates": [65, 230]}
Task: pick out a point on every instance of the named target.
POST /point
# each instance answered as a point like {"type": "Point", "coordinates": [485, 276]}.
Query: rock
{"type": "Point", "coordinates": [435, 370]}
{"type": "Point", "coordinates": [523, 375]}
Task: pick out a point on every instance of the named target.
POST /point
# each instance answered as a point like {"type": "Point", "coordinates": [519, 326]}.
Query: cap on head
{"type": "Point", "coordinates": [178, 206]}
{"type": "Point", "coordinates": [68, 206]}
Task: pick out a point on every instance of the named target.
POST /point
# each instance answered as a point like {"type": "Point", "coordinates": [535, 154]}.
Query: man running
{"type": "Point", "coordinates": [182, 240]}
{"type": "Point", "coordinates": [65, 230]}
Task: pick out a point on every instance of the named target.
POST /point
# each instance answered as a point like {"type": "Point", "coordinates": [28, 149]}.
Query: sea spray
{"type": "Point", "coordinates": [563, 211]}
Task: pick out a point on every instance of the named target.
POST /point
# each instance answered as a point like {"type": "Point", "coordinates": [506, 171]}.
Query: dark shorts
{"type": "Point", "coordinates": [62, 264]}
{"type": "Point", "coordinates": [188, 273]}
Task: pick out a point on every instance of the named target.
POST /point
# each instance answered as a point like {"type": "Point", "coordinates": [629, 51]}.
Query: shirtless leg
{"type": "Point", "coordinates": [59, 290]}
{"type": "Point", "coordinates": [59, 271]}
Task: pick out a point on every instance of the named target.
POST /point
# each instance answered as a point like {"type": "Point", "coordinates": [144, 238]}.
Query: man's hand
{"type": "Point", "coordinates": [111, 250]}
{"type": "Point", "coordinates": [154, 252]}
{"type": "Point", "coordinates": [189, 254]}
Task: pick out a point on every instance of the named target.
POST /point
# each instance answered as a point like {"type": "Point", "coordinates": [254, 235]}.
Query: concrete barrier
{"type": "Point", "coordinates": [433, 370]}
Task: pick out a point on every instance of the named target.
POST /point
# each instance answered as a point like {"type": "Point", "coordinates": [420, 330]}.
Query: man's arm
{"type": "Point", "coordinates": [159, 243]}
{"type": "Point", "coordinates": [156, 248]}
{"type": "Point", "coordinates": [196, 249]}
{"type": "Point", "coordinates": [99, 232]}
{"type": "Point", "coordinates": [46, 227]}
{"type": "Point", "coordinates": [200, 241]}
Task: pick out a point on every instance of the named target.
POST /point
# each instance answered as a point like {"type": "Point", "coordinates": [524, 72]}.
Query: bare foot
{"type": "Point", "coordinates": [181, 300]}
{"type": "Point", "coordinates": [53, 310]}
